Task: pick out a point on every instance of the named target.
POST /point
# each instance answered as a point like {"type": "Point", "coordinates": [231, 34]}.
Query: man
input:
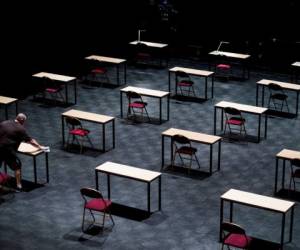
{"type": "Point", "coordinates": [12, 133]}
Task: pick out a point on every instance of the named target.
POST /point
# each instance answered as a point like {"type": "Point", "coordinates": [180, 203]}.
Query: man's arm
{"type": "Point", "coordinates": [34, 143]}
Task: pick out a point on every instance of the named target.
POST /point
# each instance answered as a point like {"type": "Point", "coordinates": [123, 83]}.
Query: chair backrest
{"type": "Point", "coordinates": [133, 95]}
{"type": "Point", "coordinates": [232, 111]}
{"type": "Point", "coordinates": [91, 193]}
{"type": "Point", "coordinates": [180, 139]}
{"type": "Point", "coordinates": [295, 162]}
{"type": "Point", "coordinates": [182, 74]}
{"type": "Point", "coordinates": [232, 228]}
{"type": "Point", "coordinates": [275, 87]}
{"type": "Point", "coordinates": [73, 122]}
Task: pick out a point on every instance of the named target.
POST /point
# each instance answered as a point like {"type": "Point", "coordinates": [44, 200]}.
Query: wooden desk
{"type": "Point", "coordinates": [194, 137]}
{"type": "Point", "coordinates": [29, 150]}
{"type": "Point", "coordinates": [148, 92]}
{"type": "Point", "coordinates": [112, 60]}
{"type": "Point", "coordinates": [194, 72]}
{"type": "Point", "coordinates": [284, 155]}
{"type": "Point", "coordinates": [150, 44]}
{"type": "Point", "coordinates": [243, 108]}
{"type": "Point", "coordinates": [295, 71]}
{"type": "Point", "coordinates": [61, 78]}
{"type": "Point", "coordinates": [259, 201]}
{"type": "Point", "coordinates": [138, 174]}
{"type": "Point", "coordinates": [90, 117]}
{"type": "Point", "coordinates": [243, 58]}
{"type": "Point", "coordinates": [6, 101]}
{"type": "Point", "coordinates": [285, 85]}
{"type": "Point", "coordinates": [154, 46]}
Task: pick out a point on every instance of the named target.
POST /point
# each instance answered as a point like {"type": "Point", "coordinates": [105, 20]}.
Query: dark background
{"type": "Point", "coordinates": [55, 37]}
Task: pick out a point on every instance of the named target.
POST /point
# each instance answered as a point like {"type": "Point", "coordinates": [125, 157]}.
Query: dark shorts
{"type": "Point", "coordinates": [9, 157]}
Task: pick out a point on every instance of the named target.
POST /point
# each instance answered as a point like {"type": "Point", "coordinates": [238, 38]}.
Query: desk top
{"type": "Point", "coordinates": [256, 200]}
{"type": "Point", "coordinates": [56, 77]}
{"type": "Point", "coordinates": [285, 85]}
{"type": "Point", "coordinates": [88, 116]}
{"type": "Point", "coordinates": [128, 171]}
{"type": "Point", "coordinates": [150, 44]}
{"type": "Point", "coordinates": [146, 92]}
{"type": "Point", "coordinates": [229, 54]}
{"type": "Point", "coordinates": [196, 72]}
{"type": "Point", "coordinates": [297, 64]}
{"type": "Point", "coordinates": [288, 154]}
{"type": "Point", "coordinates": [28, 149]}
{"type": "Point", "coordinates": [241, 107]}
{"type": "Point", "coordinates": [105, 59]}
{"type": "Point", "coordinates": [7, 100]}
{"type": "Point", "coordinates": [193, 136]}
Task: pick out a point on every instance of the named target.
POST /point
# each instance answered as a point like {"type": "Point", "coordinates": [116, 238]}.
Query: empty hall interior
{"type": "Point", "coordinates": [170, 125]}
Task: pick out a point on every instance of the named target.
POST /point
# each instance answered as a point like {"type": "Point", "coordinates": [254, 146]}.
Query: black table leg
{"type": "Point", "coordinates": [75, 91]}
{"type": "Point", "coordinates": [47, 167]}
{"type": "Point", "coordinates": [113, 132]}
{"type": "Point", "coordinates": [259, 125]}
{"type": "Point", "coordinates": [231, 211]}
{"type": "Point", "coordinates": [282, 230]}
{"type": "Point", "coordinates": [219, 156]}
{"type": "Point", "coordinates": [108, 185]}
{"type": "Point", "coordinates": [149, 198]}
{"type": "Point", "coordinates": [283, 175]}
{"type": "Point", "coordinates": [103, 136]}
{"type": "Point", "coordinates": [121, 104]}
{"type": "Point", "coordinates": [168, 108]}
{"type": "Point", "coordinates": [221, 219]}
{"type": "Point", "coordinates": [276, 176]}
{"type": "Point", "coordinates": [291, 224]}
{"type": "Point", "coordinates": [160, 109]}
{"type": "Point", "coordinates": [96, 180]}
{"type": "Point", "coordinates": [169, 81]}
{"type": "Point", "coordinates": [205, 88]}
{"type": "Point", "coordinates": [215, 120]}
{"type": "Point", "coordinates": [63, 130]}
{"type": "Point", "coordinates": [34, 169]}
{"type": "Point", "coordinates": [118, 75]}
{"type": "Point", "coordinates": [159, 193]}
{"type": "Point", "coordinates": [210, 159]}
{"type": "Point", "coordinates": [212, 86]}
{"type": "Point", "coordinates": [257, 90]}
{"type": "Point", "coordinates": [162, 152]}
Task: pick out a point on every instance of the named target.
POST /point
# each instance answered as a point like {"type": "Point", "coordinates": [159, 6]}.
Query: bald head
{"type": "Point", "coordinates": [21, 118]}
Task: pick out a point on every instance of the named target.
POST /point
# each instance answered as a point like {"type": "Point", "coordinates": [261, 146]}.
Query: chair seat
{"type": "Point", "coordinates": [187, 150]}
{"type": "Point", "coordinates": [79, 131]}
{"type": "Point", "coordinates": [53, 90]}
{"type": "Point", "coordinates": [279, 96]}
{"type": "Point", "coordinates": [235, 121]}
{"type": "Point", "coordinates": [4, 178]}
{"type": "Point", "coordinates": [185, 83]}
{"type": "Point", "coordinates": [223, 66]}
{"type": "Point", "coordinates": [138, 104]}
{"type": "Point", "coordinates": [98, 205]}
{"type": "Point", "coordinates": [99, 71]}
{"type": "Point", "coordinates": [238, 240]}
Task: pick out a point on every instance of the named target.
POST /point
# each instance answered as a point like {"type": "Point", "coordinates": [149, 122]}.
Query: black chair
{"type": "Point", "coordinates": [142, 53]}
{"type": "Point", "coordinates": [277, 97]}
{"type": "Point", "coordinates": [136, 104]}
{"type": "Point", "coordinates": [235, 236]}
{"type": "Point", "coordinates": [234, 119]}
{"type": "Point", "coordinates": [53, 89]}
{"type": "Point", "coordinates": [94, 202]}
{"type": "Point", "coordinates": [295, 173]}
{"type": "Point", "coordinates": [77, 132]}
{"type": "Point", "coordinates": [184, 82]}
{"type": "Point", "coordinates": [183, 148]}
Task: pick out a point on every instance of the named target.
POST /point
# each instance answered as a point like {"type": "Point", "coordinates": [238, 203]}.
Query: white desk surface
{"type": "Point", "coordinates": [193, 136]}
{"type": "Point", "coordinates": [106, 59]}
{"type": "Point", "coordinates": [288, 154]}
{"type": "Point", "coordinates": [297, 64]}
{"type": "Point", "coordinates": [7, 100]}
{"type": "Point", "coordinates": [146, 92]}
{"type": "Point", "coordinates": [28, 149]}
{"type": "Point", "coordinates": [229, 54]}
{"type": "Point", "coordinates": [257, 200]}
{"type": "Point", "coordinates": [128, 171]}
{"type": "Point", "coordinates": [88, 116]}
{"type": "Point", "coordinates": [56, 77]}
{"type": "Point", "coordinates": [285, 85]}
{"type": "Point", "coordinates": [241, 107]}
{"type": "Point", "coordinates": [150, 44]}
{"type": "Point", "coordinates": [196, 72]}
